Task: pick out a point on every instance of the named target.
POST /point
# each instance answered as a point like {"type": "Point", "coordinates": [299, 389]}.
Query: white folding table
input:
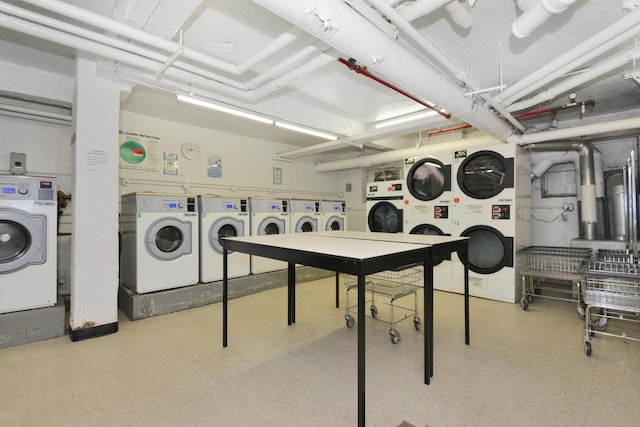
{"type": "Point", "coordinates": [358, 254]}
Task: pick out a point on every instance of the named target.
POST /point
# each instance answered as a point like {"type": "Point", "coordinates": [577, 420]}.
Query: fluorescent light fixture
{"type": "Point", "coordinates": [224, 109]}
{"type": "Point", "coordinates": [307, 131]}
{"type": "Point", "coordinates": [405, 119]}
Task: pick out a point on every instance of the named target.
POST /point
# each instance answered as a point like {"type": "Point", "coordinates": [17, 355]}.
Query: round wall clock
{"type": "Point", "coordinates": [190, 150]}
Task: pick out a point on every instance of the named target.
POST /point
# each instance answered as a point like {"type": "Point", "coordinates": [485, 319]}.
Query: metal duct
{"type": "Point", "coordinates": [588, 206]}
{"type": "Point", "coordinates": [344, 29]}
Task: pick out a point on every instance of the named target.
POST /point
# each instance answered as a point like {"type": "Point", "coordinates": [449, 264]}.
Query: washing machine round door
{"type": "Point", "coordinates": [384, 217]}
{"type": "Point", "coordinates": [222, 228]}
{"type": "Point", "coordinates": [334, 224]}
{"type": "Point", "coordinates": [169, 239]}
{"type": "Point", "coordinates": [485, 174]}
{"type": "Point", "coordinates": [428, 179]}
{"type": "Point", "coordinates": [489, 250]}
{"type": "Point", "coordinates": [22, 240]}
{"type": "Point", "coordinates": [431, 230]}
{"type": "Point", "coordinates": [306, 225]}
{"type": "Point", "coordinates": [271, 225]}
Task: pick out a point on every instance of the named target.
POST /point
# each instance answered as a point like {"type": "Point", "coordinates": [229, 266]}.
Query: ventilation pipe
{"type": "Point", "coordinates": [537, 15]}
{"type": "Point", "coordinates": [461, 13]}
{"type": "Point", "coordinates": [344, 29]}
{"type": "Point", "coordinates": [588, 205]}
{"type": "Point", "coordinates": [415, 9]}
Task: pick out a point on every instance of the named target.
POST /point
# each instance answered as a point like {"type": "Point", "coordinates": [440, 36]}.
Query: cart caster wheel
{"type": "Point", "coordinates": [374, 311]}
{"type": "Point", "coordinates": [601, 324]}
{"type": "Point", "coordinates": [529, 298]}
{"type": "Point", "coordinates": [395, 336]}
{"type": "Point", "coordinates": [581, 312]}
{"type": "Point", "coordinates": [417, 323]}
{"type": "Point", "coordinates": [587, 348]}
{"type": "Point", "coordinates": [350, 321]}
{"type": "Point", "coordinates": [537, 291]}
{"type": "Point", "coordinates": [524, 304]}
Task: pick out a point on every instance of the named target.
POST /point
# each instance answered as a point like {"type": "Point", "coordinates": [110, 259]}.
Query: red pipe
{"type": "Point", "coordinates": [532, 113]}
{"type": "Point", "coordinates": [435, 132]}
{"type": "Point", "coordinates": [351, 64]}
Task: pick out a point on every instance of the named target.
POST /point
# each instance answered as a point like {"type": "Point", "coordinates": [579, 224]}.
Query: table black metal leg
{"type": "Point", "coordinates": [361, 350]}
{"type": "Point", "coordinates": [466, 298]}
{"type": "Point", "coordinates": [428, 317]}
{"type": "Point", "coordinates": [225, 286]}
{"type": "Point", "coordinates": [337, 290]}
{"type": "Point", "coordinates": [291, 286]}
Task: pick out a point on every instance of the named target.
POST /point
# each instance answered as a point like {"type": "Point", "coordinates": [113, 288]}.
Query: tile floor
{"type": "Point", "coordinates": [522, 368]}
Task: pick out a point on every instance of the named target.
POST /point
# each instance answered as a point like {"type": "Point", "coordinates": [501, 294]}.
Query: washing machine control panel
{"type": "Point", "coordinates": [500, 212]}
{"type": "Point", "coordinates": [27, 189]}
{"type": "Point", "coordinates": [441, 212]}
{"type": "Point", "coordinates": [178, 204]}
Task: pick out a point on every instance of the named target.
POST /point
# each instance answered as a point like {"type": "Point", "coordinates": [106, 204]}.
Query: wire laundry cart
{"type": "Point", "coordinates": [557, 264]}
{"type": "Point", "coordinates": [616, 256]}
{"type": "Point", "coordinates": [392, 285]}
{"type": "Point", "coordinates": [615, 288]}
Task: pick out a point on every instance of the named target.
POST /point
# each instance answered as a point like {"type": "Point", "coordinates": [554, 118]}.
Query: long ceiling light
{"type": "Point", "coordinates": [404, 119]}
{"type": "Point", "coordinates": [306, 131]}
{"type": "Point", "coordinates": [224, 109]}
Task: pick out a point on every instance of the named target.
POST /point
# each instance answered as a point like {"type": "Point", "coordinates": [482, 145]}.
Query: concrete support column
{"type": "Point", "coordinates": [94, 249]}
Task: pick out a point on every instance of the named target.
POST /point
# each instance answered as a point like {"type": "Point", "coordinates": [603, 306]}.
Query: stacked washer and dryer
{"type": "Point", "coordinates": [427, 207]}
{"type": "Point", "coordinates": [159, 238]}
{"type": "Point", "coordinates": [28, 233]}
{"type": "Point", "coordinates": [492, 206]}
{"type": "Point", "coordinates": [384, 206]}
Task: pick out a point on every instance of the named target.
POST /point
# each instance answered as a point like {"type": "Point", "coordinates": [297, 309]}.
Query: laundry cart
{"type": "Point", "coordinates": [558, 266]}
{"type": "Point", "coordinates": [615, 288]}
{"type": "Point", "coordinates": [616, 256]}
{"type": "Point", "coordinates": [387, 287]}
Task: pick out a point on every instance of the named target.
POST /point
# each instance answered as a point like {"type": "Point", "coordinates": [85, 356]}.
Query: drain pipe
{"type": "Point", "coordinates": [588, 205]}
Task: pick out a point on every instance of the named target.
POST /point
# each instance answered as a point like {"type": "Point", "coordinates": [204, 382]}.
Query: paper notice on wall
{"type": "Point", "coordinates": [140, 152]}
{"type": "Point", "coordinates": [97, 160]}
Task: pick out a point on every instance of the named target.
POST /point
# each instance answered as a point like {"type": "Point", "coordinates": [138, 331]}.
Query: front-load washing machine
{"type": "Point", "coordinates": [492, 206]}
{"type": "Point", "coordinates": [222, 217]}
{"type": "Point", "coordinates": [306, 215]}
{"type": "Point", "coordinates": [385, 206]}
{"type": "Point", "coordinates": [28, 232]}
{"type": "Point", "coordinates": [427, 206]}
{"type": "Point", "coordinates": [159, 235]}
{"type": "Point", "coordinates": [334, 215]}
{"type": "Point", "coordinates": [268, 216]}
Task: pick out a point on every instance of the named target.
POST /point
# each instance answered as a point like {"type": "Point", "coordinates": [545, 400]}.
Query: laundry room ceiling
{"type": "Point", "coordinates": [505, 67]}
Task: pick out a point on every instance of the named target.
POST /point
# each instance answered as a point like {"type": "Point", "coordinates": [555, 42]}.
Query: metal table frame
{"type": "Point", "coordinates": [392, 251]}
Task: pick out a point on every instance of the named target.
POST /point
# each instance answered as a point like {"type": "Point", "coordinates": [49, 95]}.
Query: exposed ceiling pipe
{"type": "Point", "coordinates": [351, 64]}
{"type": "Point", "coordinates": [569, 84]}
{"type": "Point", "coordinates": [318, 148]}
{"type": "Point", "coordinates": [537, 15]}
{"type": "Point", "coordinates": [415, 9]}
{"type": "Point", "coordinates": [541, 163]}
{"type": "Point", "coordinates": [588, 206]}
{"type": "Point", "coordinates": [441, 58]}
{"type": "Point", "coordinates": [344, 29]}
{"type": "Point", "coordinates": [615, 34]}
{"type": "Point", "coordinates": [577, 131]}
{"type": "Point", "coordinates": [461, 13]}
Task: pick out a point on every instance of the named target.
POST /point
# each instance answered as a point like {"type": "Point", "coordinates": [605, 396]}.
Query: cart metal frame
{"type": "Point", "coordinates": [613, 287]}
{"type": "Point", "coordinates": [557, 264]}
{"type": "Point", "coordinates": [393, 285]}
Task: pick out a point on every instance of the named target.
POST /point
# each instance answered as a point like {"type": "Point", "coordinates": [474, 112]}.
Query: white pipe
{"type": "Point", "coordinates": [628, 26]}
{"type": "Point", "coordinates": [399, 155]}
{"type": "Point", "coordinates": [576, 131]}
{"type": "Point", "coordinates": [569, 84]}
{"type": "Point", "coordinates": [337, 24]}
{"type": "Point", "coordinates": [537, 15]}
{"type": "Point", "coordinates": [416, 9]}
{"type": "Point", "coordinates": [541, 162]}
{"type": "Point", "coordinates": [322, 147]}
{"type": "Point", "coordinates": [32, 112]}
{"type": "Point", "coordinates": [461, 13]}
{"type": "Point", "coordinates": [599, 173]}
{"type": "Point", "coordinates": [525, 5]}
{"type": "Point", "coordinates": [441, 58]}
{"type": "Point", "coordinates": [35, 118]}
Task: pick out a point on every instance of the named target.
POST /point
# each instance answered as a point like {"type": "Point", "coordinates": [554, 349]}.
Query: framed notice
{"type": "Point", "coordinates": [277, 176]}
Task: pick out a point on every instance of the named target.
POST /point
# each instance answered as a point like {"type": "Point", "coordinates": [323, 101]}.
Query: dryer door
{"type": "Point", "coordinates": [334, 223]}
{"type": "Point", "coordinates": [22, 240]}
{"type": "Point", "coordinates": [489, 249]}
{"type": "Point", "coordinates": [384, 217]}
{"type": "Point", "coordinates": [434, 231]}
{"type": "Point", "coordinates": [485, 174]}
{"type": "Point", "coordinates": [224, 227]}
{"type": "Point", "coordinates": [169, 238]}
{"type": "Point", "coordinates": [271, 225]}
{"type": "Point", "coordinates": [428, 179]}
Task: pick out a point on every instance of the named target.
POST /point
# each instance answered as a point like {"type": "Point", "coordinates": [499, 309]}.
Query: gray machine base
{"type": "Point", "coordinates": [23, 327]}
{"type": "Point", "coordinates": [140, 306]}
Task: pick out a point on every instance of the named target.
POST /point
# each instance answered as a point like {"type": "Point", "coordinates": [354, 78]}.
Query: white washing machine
{"type": "Point", "coordinates": [385, 206]}
{"type": "Point", "coordinates": [268, 216]}
{"type": "Point", "coordinates": [222, 217]}
{"type": "Point", "coordinates": [159, 241]}
{"type": "Point", "coordinates": [306, 215]}
{"type": "Point", "coordinates": [28, 232]}
{"type": "Point", "coordinates": [492, 206]}
{"type": "Point", "coordinates": [427, 206]}
{"type": "Point", "coordinates": [334, 215]}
